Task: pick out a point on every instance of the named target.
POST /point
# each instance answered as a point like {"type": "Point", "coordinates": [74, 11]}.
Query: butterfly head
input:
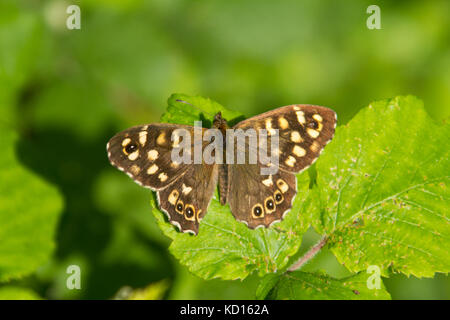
{"type": "Point", "coordinates": [219, 122]}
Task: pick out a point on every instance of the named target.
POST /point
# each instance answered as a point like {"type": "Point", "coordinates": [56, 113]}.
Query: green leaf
{"type": "Point", "coordinates": [224, 247]}
{"type": "Point", "coordinates": [17, 293]}
{"type": "Point", "coordinates": [184, 109]}
{"type": "Point", "coordinates": [382, 190]}
{"type": "Point", "coordinates": [29, 210]}
{"type": "Point", "coordinates": [154, 291]}
{"type": "Point", "coordinates": [300, 285]}
{"type": "Point", "coordinates": [29, 207]}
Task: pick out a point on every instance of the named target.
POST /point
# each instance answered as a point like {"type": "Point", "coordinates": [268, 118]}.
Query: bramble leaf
{"type": "Point", "coordinates": [225, 248]}
{"type": "Point", "coordinates": [184, 109]}
{"type": "Point", "coordinates": [380, 196]}
{"type": "Point", "coordinates": [382, 190]}
{"type": "Point", "coordinates": [316, 286]}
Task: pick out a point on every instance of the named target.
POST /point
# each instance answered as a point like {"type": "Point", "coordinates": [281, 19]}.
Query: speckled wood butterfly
{"type": "Point", "coordinates": [184, 190]}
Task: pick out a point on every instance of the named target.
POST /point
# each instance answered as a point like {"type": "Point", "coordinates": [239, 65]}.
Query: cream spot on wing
{"type": "Point", "coordinates": [276, 151]}
{"type": "Point", "coordinates": [198, 215]}
{"type": "Point", "coordinates": [174, 164]}
{"type": "Point", "coordinates": [152, 169]}
{"type": "Point", "coordinates": [320, 126]}
{"type": "Point", "coordinates": [125, 142]}
{"type": "Point", "coordinates": [296, 108]}
{"type": "Point", "coordinates": [296, 137]}
{"type": "Point", "coordinates": [153, 155]}
{"type": "Point", "coordinates": [268, 182]}
{"type": "Point", "coordinates": [185, 189]}
{"type": "Point", "coordinates": [312, 133]}
{"type": "Point", "coordinates": [135, 169]}
{"type": "Point", "coordinates": [161, 138]}
{"type": "Point", "coordinates": [175, 139]}
{"type": "Point", "coordinates": [282, 185]}
{"type": "Point", "coordinates": [162, 176]}
{"type": "Point", "coordinates": [284, 124]}
{"type": "Point", "coordinates": [173, 197]}
{"type": "Point", "coordinates": [298, 151]}
{"type": "Point", "coordinates": [133, 156]}
{"type": "Point", "coordinates": [300, 117]}
{"type": "Point", "coordinates": [317, 117]}
{"type": "Point", "coordinates": [270, 131]}
{"type": "Point", "coordinates": [290, 161]}
{"type": "Point", "coordinates": [143, 137]}
{"type": "Point", "coordinates": [315, 147]}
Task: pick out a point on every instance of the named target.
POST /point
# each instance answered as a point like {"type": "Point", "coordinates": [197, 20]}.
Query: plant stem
{"type": "Point", "coordinates": [309, 255]}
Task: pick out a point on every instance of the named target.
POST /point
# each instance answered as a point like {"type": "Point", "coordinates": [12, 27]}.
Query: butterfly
{"type": "Point", "coordinates": [185, 189]}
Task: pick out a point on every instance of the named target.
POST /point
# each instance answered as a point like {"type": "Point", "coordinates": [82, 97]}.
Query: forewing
{"type": "Point", "coordinates": [303, 131]}
{"type": "Point", "coordinates": [149, 162]}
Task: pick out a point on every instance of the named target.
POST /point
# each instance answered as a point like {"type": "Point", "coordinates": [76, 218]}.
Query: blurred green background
{"type": "Point", "coordinates": [73, 89]}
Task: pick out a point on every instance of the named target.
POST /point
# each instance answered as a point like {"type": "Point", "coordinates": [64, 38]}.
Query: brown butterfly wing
{"type": "Point", "coordinates": [303, 132]}
{"type": "Point", "coordinates": [145, 154]}
{"type": "Point", "coordinates": [149, 162]}
{"type": "Point", "coordinates": [186, 201]}
{"type": "Point", "coordinates": [249, 190]}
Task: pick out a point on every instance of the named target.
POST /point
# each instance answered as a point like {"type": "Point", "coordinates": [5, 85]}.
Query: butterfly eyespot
{"type": "Point", "coordinates": [257, 211]}
{"type": "Point", "coordinates": [189, 212]}
{"type": "Point", "coordinates": [179, 207]}
{"type": "Point", "coordinates": [313, 124]}
{"type": "Point", "coordinates": [270, 205]}
{"type": "Point", "coordinates": [278, 197]}
{"type": "Point", "coordinates": [130, 148]}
